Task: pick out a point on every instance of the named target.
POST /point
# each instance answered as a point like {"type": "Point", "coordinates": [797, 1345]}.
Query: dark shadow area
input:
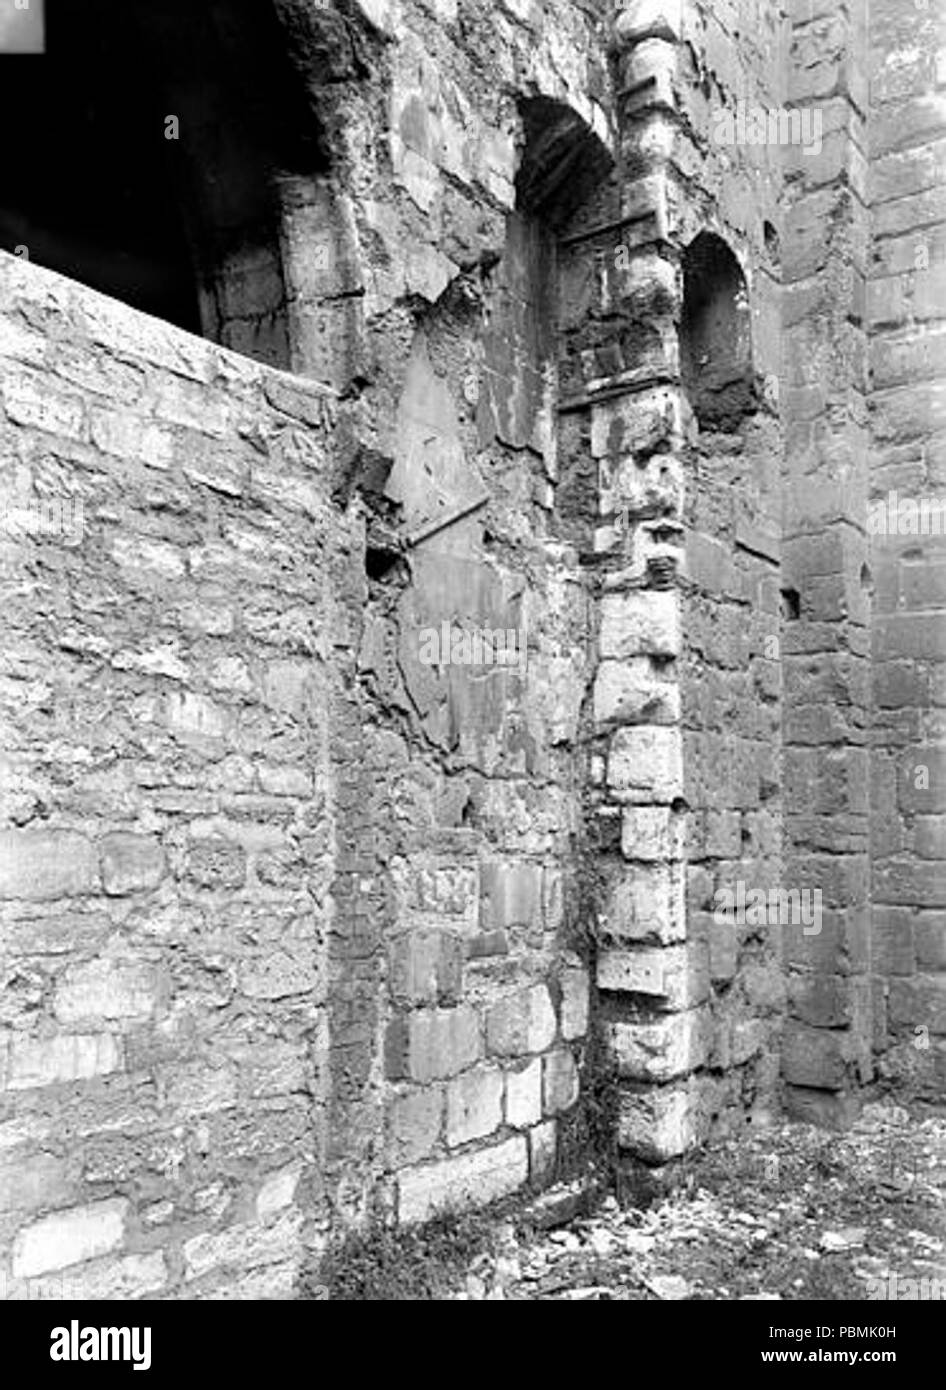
{"type": "Point", "coordinates": [716, 336]}
{"type": "Point", "coordinates": [186, 228]}
{"type": "Point", "coordinates": [563, 161]}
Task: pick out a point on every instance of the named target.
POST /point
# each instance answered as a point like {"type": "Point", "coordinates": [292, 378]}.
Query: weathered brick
{"type": "Point", "coordinates": [656, 1125]}
{"type": "Point", "coordinates": [930, 938]}
{"type": "Point", "coordinates": [131, 863]}
{"type": "Point", "coordinates": [659, 1051]}
{"type": "Point", "coordinates": [813, 1058]}
{"type": "Point", "coordinates": [427, 968]}
{"type": "Point", "coordinates": [69, 1237]}
{"type": "Point", "coordinates": [415, 1124]}
{"type": "Point", "coordinates": [524, 1094]}
{"type": "Point", "coordinates": [474, 1106]}
{"type": "Point", "coordinates": [107, 989]}
{"type": "Point", "coordinates": [640, 622]}
{"type": "Point", "coordinates": [676, 976]}
{"type": "Point", "coordinates": [543, 1145]}
{"type": "Point", "coordinates": [523, 1023]}
{"type": "Point", "coordinates": [629, 692]}
{"type": "Point", "coordinates": [442, 1042]}
{"type": "Point", "coordinates": [646, 902]}
{"type": "Point", "coordinates": [575, 986]}
{"type": "Point", "coordinates": [64, 1058]}
{"type": "Point", "coordinates": [646, 764]}
{"type": "Point", "coordinates": [652, 833]}
{"type": "Point", "coordinates": [919, 1002]}
{"type": "Point", "coordinates": [560, 1081]}
{"type": "Point", "coordinates": [41, 865]}
{"type": "Point", "coordinates": [464, 1180]}
{"type": "Point", "coordinates": [510, 896]}
{"type": "Point", "coordinates": [128, 1277]}
{"type": "Point", "coordinates": [277, 1191]}
{"type": "Point", "coordinates": [243, 1246]}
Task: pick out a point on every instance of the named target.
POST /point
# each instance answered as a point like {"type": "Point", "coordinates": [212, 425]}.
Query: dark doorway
{"type": "Point", "coordinates": [184, 228]}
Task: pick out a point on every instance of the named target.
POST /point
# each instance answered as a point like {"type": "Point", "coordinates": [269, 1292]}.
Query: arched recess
{"type": "Point", "coordinates": [156, 141]}
{"type": "Point", "coordinates": [716, 335]}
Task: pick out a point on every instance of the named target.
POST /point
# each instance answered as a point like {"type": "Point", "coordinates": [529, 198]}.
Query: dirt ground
{"type": "Point", "coordinates": [790, 1212]}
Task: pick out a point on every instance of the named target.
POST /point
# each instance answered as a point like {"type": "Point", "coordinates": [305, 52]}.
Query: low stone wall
{"type": "Point", "coordinates": [168, 553]}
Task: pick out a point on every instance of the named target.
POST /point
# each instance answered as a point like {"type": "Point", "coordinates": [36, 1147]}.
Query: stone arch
{"type": "Point", "coordinates": [167, 132]}
{"type": "Point", "coordinates": [562, 161]}
{"type": "Point", "coordinates": [716, 335]}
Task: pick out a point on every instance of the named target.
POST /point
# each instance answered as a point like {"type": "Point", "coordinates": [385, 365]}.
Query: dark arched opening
{"type": "Point", "coordinates": [716, 336]}
{"type": "Point", "coordinates": [144, 155]}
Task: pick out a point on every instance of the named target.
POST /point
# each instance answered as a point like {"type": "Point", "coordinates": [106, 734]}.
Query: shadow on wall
{"type": "Point", "coordinates": [716, 336]}
{"type": "Point", "coordinates": [151, 140]}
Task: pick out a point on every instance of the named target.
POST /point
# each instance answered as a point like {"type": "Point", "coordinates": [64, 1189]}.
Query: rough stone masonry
{"type": "Point", "coordinates": [338, 323]}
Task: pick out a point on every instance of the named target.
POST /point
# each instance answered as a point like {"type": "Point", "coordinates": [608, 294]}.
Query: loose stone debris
{"type": "Point", "coordinates": [788, 1213]}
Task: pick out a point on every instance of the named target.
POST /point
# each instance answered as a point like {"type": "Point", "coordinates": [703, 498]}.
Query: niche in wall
{"type": "Point", "coordinates": [716, 336]}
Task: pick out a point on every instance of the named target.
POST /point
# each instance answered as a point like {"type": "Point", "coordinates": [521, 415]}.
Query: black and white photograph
{"type": "Point", "coordinates": [473, 687]}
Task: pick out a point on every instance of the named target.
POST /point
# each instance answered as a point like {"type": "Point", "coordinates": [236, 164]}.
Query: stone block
{"type": "Point", "coordinates": [474, 1106]}
{"type": "Point", "coordinates": [216, 863]}
{"type": "Point", "coordinates": [930, 937]}
{"type": "Point", "coordinates": [676, 977]}
{"type": "Point", "coordinates": [69, 1237]}
{"type": "Point", "coordinates": [643, 622]}
{"type": "Point", "coordinates": [524, 1094]}
{"type": "Point", "coordinates": [131, 863]}
{"type": "Point", "coordinates": [521, 1024]}
{"type": "Point", "coordinates": [645, 764]}
{"type": "Point", "coordinates": [648, 902]}
{"type": "Point", "coordinates": [427, 968]}
{"type": "Point", "coordinates": [723, 950]}
{"type": "Point", "coordinates": [106, 989]}
{"type": "Point", "coordinates": [118, 1280]}
{"type": "Point", "coordinates": [575, 986]}
{"type": "Point", "coordinates": [43, 865]}
{"type": "Point", "coordinates": [542, 1152]}
{"type": "Point", "coordinates": [649, 19]}
{"type": "Point", "coordinates": [277, 1191]}
{"type": "Point", "coordinates": [442, 1042]}
{"type": "Point", "coordinates": [919, 1003]}
{"type": "Point", "coordinates": [656, 1125]}
{"type": "Point", "coordinates": [415, 1124]}
{"type": "Point", "coordinates": [560, 1081]}
{"type": "Point", "coordinates": [64, 1058]}
{"type": "Point", "coordinates": [464, 1180]}
{"type": "Point", "coordinates": [662, 1051]}
{"type": "Point", "coordinates": [630, 692]}
{"type": "Point", "coordinates": [243, 1246]}
{"type": "Point", "coordinates": [510, 896]}
{"type": "Point", "coordinates": [812, 1058]}
{"type": "Point", "coordinates": [652, 834]}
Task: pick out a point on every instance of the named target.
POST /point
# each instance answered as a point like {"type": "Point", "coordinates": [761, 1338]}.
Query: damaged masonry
{"type": "Point", "coordinates": [465, 727]}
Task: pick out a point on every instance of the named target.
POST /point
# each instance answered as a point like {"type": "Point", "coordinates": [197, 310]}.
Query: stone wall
{"type": "Point", "coordinates": [907, 306]}
{"type": "Point", "coordinates": [688, 693]}
{"type": "Point", "coordinates": [290, 915]}
{"type": "Point", "coordinates": [826, 628]}
{"type": "Point", "coordinates": [171, 655]}
{"type": "Point", "coordinates": [304, 925]}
